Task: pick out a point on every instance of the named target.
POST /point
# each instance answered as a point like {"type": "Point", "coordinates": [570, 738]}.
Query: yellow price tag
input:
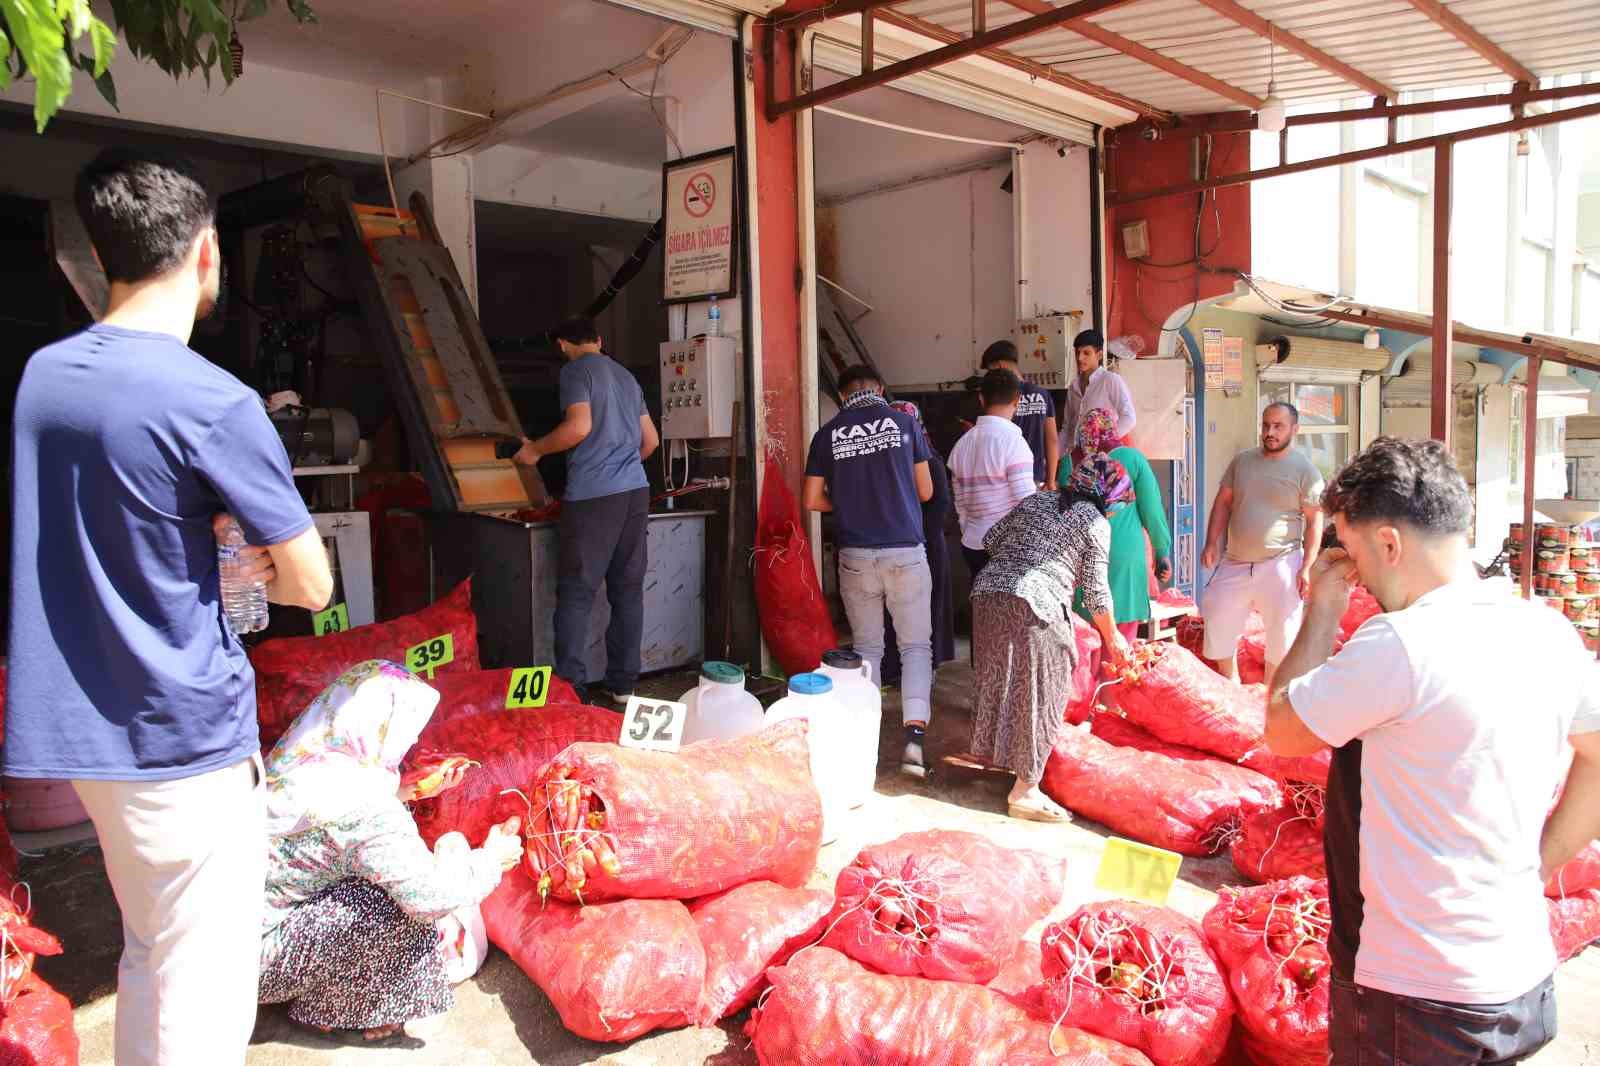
{"type": "Point", "coordinates": [428, 656]}
{"type": "Point", "coordinates": [530, 687]}
{"type": "Point", "coordinates": [335, 619]}
{"type": "Point", "coordinates": [1137, 871]}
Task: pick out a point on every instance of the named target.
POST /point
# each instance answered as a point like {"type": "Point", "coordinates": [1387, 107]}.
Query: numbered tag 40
{"type": "Point", "coordinates": [529, 688]}
{"type": "Point", "coordinates": [653, 724]}
{"type": "Point", "coordinates": [1137, 871]}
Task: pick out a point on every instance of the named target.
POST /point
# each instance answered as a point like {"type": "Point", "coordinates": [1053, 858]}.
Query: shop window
{"type": "Point", "coordinates": [1329, 416]}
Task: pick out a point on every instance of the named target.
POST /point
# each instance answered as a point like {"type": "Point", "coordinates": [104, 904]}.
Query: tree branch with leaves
{"type": "Point", "coordinates": [49, 39]}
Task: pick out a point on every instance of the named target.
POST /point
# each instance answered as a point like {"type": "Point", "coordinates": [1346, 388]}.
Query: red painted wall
{"type": "Point", "coordinates": [778, 218]}
{"type": "Point", "coordinates": [1142, 294]}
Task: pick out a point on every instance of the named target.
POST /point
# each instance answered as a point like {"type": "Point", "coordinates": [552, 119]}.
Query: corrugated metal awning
{"type": "Point", "coordinates": [1391, 42]}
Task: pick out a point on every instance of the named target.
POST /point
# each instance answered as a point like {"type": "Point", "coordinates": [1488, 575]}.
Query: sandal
{"type": "Point", "coordinates": [1045, 811]}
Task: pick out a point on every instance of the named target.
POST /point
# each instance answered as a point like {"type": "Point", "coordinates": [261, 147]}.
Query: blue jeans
{"type": "Point", "coordinates": [871, 579]}
{"type": "Point", "coordinates": [1372, 1028]}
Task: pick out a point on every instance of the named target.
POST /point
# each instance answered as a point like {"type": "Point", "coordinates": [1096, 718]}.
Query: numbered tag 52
{"type": "Point", "coordinates": [1137, 871]}
{"type": "Point", "coordinates": [653, 724]}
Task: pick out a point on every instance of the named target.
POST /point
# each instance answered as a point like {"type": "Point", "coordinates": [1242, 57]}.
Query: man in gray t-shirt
{"type": "Point", "coordinates": [603, 511]}
{"type": "Point", "coordinates": [1267, 504]}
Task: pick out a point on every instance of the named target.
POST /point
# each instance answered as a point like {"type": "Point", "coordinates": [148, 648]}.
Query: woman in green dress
{"type": "Point", "coordinates": [1128, 573]}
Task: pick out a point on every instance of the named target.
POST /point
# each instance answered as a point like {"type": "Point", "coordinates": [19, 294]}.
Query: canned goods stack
{"type": "Point", "coordinates": [1566, 573]}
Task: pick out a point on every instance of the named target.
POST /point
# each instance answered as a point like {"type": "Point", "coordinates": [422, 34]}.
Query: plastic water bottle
{"type": "Point", "coordinates": [714, 317]}
{"type": "Point", "coordinates": [243, 602]}
{"type": "Point", "coordinates": [811, 697]}
{"type": "Point", "coordinates": [719, 706]}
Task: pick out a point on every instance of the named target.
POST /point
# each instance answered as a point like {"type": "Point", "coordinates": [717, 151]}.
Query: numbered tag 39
{"type": "Point", "coordinates": [431, 654]}
{"type": "Point", "coordinates": [1137, 871]}
{"type": "Point", "coordinates": [529, 687]}
{"type": "Point", "coordinates": [653, 724]}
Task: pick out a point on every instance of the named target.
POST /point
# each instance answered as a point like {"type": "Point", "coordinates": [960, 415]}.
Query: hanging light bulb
{"type": "Point", "coordinates": [1274, 113]}
{"type": "Point", "coordinates": [1522, 143]}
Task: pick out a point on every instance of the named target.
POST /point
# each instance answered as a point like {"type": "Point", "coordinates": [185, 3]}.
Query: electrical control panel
{"type": "Point", "coordinates": [1044, 349]}
{"type": "Point", "coordinates": [697, 388]}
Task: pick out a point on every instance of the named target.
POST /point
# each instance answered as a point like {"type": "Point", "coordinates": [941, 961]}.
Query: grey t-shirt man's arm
{"type": "Point", "coordinates": [606, 462]}
{"type": "Point", "coordinates": [1269, 501]}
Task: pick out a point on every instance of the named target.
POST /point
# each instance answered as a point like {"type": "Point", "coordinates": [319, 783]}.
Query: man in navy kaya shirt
{"type": "Point", "coordinates": [869, 466]}
{"type": "Point", "coordinates": [603, 512]}
{"type": "Point", "coordinates": [1036, 413]}
{"type": "Point", "coordinates": [124, 677]}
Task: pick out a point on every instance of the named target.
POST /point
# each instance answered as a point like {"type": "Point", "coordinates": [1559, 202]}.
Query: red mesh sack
{"type": "Point", "coordinates": [942, 903]}
{"type": "Point", "coordinates": [1253, 788]}
{"type": "Point", "coordinates": [1183, 701]}
{"type": "Point", "coordinates": [1171, 803]}
{"type": "Point", "coordinates": [36, 1026]}
{"type": "Point", "coordinates": [293, 671]}
{"type": "Point", "coordinates": [1251, 656]}
{"type": "Point", "coordinates": [1574, 922]}
{"type": "Point", "coordinates": [1273, 943]}
{"type": "Point", "coordinates": [794, 615]}
{"type": "Point", "coordinates": [613, 971]}
{"type": "Point", "coordinates": [747, 929]}
{"type": "Point", "coordinates": [1582, 872]}
{"type": "Point", "coordinates": [1022, 979]}
{"type": "Point", "coordinates": [1363, 605]}
{"type": "Point", "coordinates": [608, 822]}
{"type": "Point", "coordinates": [1142, 976]}
{"type": "Point", "coordinates": [1291, 769]}
{"type": "Point", "coordinates": [826, 1010]}
{"type": "Point", "coordinates": [1191, 635]}
{"type": "Point", "coordinates": [1285, 841]}
{"type": "Point", "coordinates": [8, 850]}
{"type": "Point", "coordinates": [510, 748]}
{"type": "Point", "coordinates": [485, 692]}
{"type": "Point", "coordinates": [1086, 674]}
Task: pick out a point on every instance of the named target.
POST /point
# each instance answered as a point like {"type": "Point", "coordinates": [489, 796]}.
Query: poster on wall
{"type": "Point", "coordinates": [1211, 348]}
{"type": "Point", "coordinates": [1232, 364]}
{"type": "Point", "coordinates": [700, 249]}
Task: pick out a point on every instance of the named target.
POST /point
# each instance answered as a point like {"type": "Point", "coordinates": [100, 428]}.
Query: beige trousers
{"type": "Point", "coordinates": [187, 860]}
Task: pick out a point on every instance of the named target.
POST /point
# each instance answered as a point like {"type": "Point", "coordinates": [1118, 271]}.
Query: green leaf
{"type": "Point", "coordinates": [37, 34]}
{"type": "Point", "coordinates": [108, 89]}
{"type": "Point", "coordinates": [104, 40]}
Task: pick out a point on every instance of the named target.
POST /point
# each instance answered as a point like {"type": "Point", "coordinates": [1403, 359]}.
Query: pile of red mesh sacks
{"type": "Point", "coordinates": [657, 888]}
{"type": "Point", "coordinates": [35, 1020]}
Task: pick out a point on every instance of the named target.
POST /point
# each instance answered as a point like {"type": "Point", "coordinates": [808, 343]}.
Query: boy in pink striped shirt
{"type": "Point", "coordinates": [991, 466]}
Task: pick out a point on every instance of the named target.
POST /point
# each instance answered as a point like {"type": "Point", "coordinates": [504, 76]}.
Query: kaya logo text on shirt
{"type": "Point", "coordinates": [867, 438]}
{"type": "Point", "coordinates": [1031, 403]}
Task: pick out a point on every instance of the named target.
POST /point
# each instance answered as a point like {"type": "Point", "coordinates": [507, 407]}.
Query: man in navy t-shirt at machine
{"type": "Point", "coordinates": [869, 466]}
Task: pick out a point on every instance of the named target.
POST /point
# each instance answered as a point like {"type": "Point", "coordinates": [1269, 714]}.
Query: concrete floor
{"type": "Point", "coordinates": [501, 1018]}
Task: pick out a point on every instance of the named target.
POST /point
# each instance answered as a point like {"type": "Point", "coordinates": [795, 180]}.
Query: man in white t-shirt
{"type": "Point", "coordinates": [1091, 387]}
{"type": "Point", "coordinates": [1452, 716]}
{"type": "Point", "coordinates": [991, 466]}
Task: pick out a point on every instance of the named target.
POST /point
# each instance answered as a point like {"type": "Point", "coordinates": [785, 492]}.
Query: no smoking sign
{"type": "Point", "coordinates": [700, 195]}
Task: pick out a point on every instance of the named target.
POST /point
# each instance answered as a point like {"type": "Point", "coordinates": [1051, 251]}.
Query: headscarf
{"type": "Point", "coordinates": [343, 753]}
{"type": "Point", "coordinates": [1103, 478]}
{"type": "Point", "coordinates": [906, 407]}
{"type": "Point", "coordinates": [1097, 431]}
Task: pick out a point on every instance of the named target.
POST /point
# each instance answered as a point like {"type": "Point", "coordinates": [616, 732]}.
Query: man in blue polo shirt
{"type": "Point", "coordinates": [124, 677]}
{"type": "Point", "coordinates": [869, 466]}
{"type": "Point", "coordinates": [1036, 413]}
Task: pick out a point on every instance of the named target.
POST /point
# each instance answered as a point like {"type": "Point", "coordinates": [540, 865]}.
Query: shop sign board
{"type": "Point", "coordinates": [700, 245]}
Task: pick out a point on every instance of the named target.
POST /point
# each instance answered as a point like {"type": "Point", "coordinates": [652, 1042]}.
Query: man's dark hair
{"type": "Point", "coordinates": [142, 211]}
{"type": "Point", "coordinates": [579, 329]}
{"type": "Point", "coordinates": [999, 352]}
{"type": "Point", "coordinates": [860, 374]}
{"type": "Point", "coordinates": [1294, 412]}
{"type": "Point", "coordinates": [1395, 480]}
{"type": "Point", "coordinates": [999, 387]}
{"type": "Point", "coordinates": [1090, 338]}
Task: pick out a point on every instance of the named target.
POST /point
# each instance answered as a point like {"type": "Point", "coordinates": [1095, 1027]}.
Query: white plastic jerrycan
{"type": "Point", "coordinates": [811, 697]}
{"type": "Point", "coordinates": [719, 706]}
{"type": "Point", "coordinates": [863, 704]}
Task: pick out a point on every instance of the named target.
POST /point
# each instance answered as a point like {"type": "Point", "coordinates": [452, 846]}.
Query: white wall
{"type": "Point", "coordinates": [936, 260]}
{"type": "Point", "coordinates": [1057, 267]}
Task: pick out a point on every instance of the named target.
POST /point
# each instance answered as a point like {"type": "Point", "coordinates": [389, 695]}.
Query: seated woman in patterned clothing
{"type": "Point", "coordinates": [349, 940]}
{"type": "Point", "coordinates": [1048, 546]}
